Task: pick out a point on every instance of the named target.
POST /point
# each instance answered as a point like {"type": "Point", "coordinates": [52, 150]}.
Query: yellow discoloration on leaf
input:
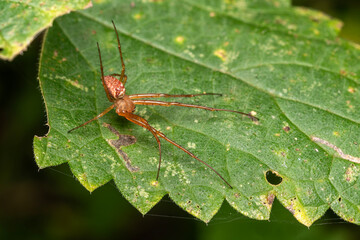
{"type": "Point", "coordinates": [267, 200]}
{"type": "Point", "coordinates": [351, 90]}
{"type": "Point", "coordinates": [297, 209]}
{"type": "Point", "coordinates": [221, 53]}
{"type": "Point", "coordinates": [83, 180]}
{"type": "Point", "coordinates": [316, 31]}
{"type": "Point", "coordinates": [138, 16]}
{"type": "Point", "coordinates": [154, 183]}
{"type": "Point", "coordinates": [228, 147]}
{"type": "Point", "coordinates": [349, 105]}
{"type": "Point", "coordinates": [352, 173]}
{"type": "Point", "coordinates": [180, 40]}
{"type": "Point", "coordinates": [229, 1]}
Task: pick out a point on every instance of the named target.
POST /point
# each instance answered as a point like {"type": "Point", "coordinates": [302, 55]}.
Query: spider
{"type": "Point", "coordinates": [125, 106]}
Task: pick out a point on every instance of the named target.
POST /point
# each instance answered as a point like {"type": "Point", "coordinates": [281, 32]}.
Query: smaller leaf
{"type": "Point", "coordinates": [21, 21]}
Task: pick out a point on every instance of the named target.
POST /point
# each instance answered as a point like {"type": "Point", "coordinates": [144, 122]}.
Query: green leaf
{"type": "Point", "coordinates": [285, 64]}
{"type": "Point", "coordinates": [21, 21]}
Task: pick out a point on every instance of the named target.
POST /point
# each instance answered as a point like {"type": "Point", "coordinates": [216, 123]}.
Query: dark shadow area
{"type": "Point", "coordinates": [348, 11]}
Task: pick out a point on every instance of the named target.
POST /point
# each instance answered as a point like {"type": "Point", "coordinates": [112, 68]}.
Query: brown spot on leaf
{"type": "Point", "coordinates": [286, 128]}
{"type": "Point", "coordinates": [123, 140]}
{"type": "Point", "coordinates": [270, 199]}
{"type": "Point", "coordinates": [352, 173]}
{"type": "Point", "coordinates": [343, 72]}
{"type": "Point", "coordinates": [291, 208]}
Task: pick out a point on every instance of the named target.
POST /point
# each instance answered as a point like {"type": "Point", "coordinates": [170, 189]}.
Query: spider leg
{"type": "Point", "coordinates": [102, 76]}
{"type": "Point", "coordinates": [168, 104]}
{"type": "Point", "coordinates": [155, 95]}
{"type": "Point", "coordinates": [95, 118]}
{"type": "Point", "coordinates": [123, 78]}
{"type": "Point", "coordinates": [119, 75]}
{"type": "Point", "coordinates": [115, 74]}
{"type": "Point", "coordinates": [143, 123]}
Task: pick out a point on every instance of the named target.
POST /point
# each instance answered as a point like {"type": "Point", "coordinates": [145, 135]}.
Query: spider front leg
{"type": "Point", "coordinates": [168, 104]}
{"type": "Point", "coordinates": [143, 123]}
{"type": "Point", "coordinates": [95, 118]}
{"type": "Point", "coordinates": [156, 95]}
{"type": "Point", "coordinates": [123, 77]}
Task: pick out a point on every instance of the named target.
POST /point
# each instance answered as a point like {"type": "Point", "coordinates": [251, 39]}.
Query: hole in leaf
{"type": "Point", "coordinates": [273, 178]}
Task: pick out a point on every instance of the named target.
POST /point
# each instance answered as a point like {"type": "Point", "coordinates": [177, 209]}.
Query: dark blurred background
{"type": "Point", "coordinates": [51, 204]}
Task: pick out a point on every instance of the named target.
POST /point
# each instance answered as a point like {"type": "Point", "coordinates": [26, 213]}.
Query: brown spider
{"type": "Point", "coordinates": [125, 106]}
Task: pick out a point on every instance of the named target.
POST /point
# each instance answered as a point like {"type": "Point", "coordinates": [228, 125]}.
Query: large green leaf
{"type": "Point", "coordinates": [21, 21]}
{"type": "Point", "coordinates": [283, 63]}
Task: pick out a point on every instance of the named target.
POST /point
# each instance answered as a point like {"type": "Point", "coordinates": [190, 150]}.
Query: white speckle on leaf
{"type": "Point", "coordinates": [172, 169]}
{"type": "Point", "coordinates": [153, 160]}
{"type": "Point", "coordinates": [157, 126]}
{"type": "Point", "coordinates": [228, 147]}
{"type": "Point", "coordinates": [188, 52]}
{"type": "Point", "coordinates": [191, 145]}
{"type": "Point", "coordinates": [73, 83]}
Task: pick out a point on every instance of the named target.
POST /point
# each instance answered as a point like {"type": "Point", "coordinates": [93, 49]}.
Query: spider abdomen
{"type": "Point", "coordinates": [115, 87]}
